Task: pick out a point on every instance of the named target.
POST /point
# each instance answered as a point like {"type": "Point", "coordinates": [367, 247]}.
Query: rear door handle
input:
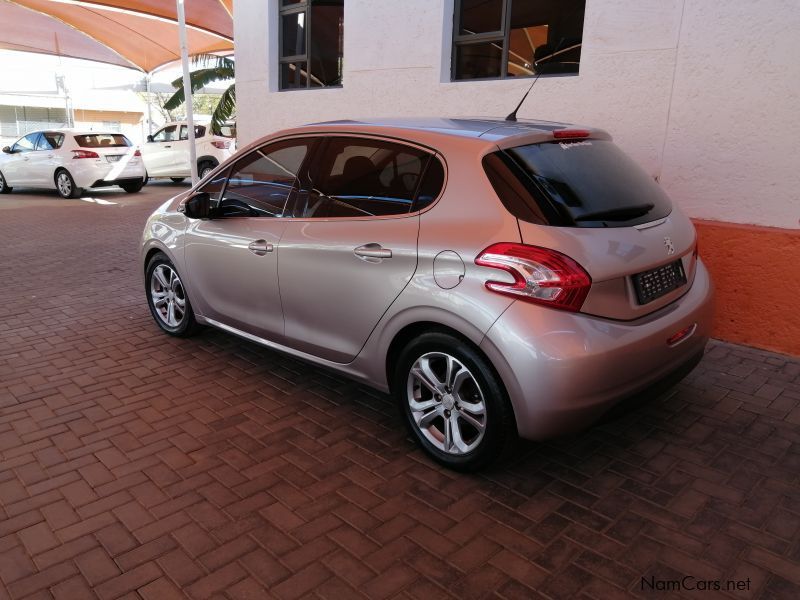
{"type": "Point", "coordinates": [372, 251]}
{"type": "Point", "coordinates": [260, 247]}
{"type": "Point", "coordinates": [167, 146]}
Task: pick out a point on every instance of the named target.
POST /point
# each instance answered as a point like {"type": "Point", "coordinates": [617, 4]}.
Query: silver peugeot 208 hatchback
{"type": "Point", "coordinates": [500, 279]}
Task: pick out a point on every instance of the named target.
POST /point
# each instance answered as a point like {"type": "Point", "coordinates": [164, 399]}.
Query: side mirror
{"type": "Point", "coordinates": [198, 206]}
{"type": "Point", "coordinates": [149, 138]}
{"type": "Point", "coordinates": [7, 149]}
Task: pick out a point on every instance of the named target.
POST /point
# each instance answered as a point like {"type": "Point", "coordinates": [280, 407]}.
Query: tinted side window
{"type": "Point", "coordinates": [431, 185]}
{"type": "Point", "coordinates": [199, 131]}
{"type": "Point", "coordinates": [27, 143]}
{"type": "Point", "coordinates": [50, 141]}
{"type": "Point", "coordinates": [166, 135]}
{"type": "Point", "coordinates": [264, 179]}
{"type": "Point", "coordinates": [363, 178]}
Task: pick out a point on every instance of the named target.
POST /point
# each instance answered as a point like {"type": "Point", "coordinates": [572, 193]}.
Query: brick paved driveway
{"type": "Point", "coordinates": [135, 465]}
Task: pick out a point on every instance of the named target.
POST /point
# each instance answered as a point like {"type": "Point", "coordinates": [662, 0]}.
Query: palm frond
{"type": "Point", "coordinates": [224, 109]}
{"type": "Point", "coordinates": [198, 79]}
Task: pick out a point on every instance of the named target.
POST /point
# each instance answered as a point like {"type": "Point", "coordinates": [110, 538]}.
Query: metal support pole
{"type": "Point", "coordinates": [187, 89]}
{"type": "Point", "coordinates": [149, 105]}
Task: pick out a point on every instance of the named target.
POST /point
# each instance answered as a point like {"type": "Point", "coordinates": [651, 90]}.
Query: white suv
{"type": "Point", "coordinates": [166, 153]}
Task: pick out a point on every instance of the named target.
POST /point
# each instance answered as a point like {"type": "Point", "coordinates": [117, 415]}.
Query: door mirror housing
{"type": "Point", "coordinates": [7, 149]}
{"type": "Point", "coordinates": [149, 138]}
{"type": "Point", "coordinates": [198, 206]}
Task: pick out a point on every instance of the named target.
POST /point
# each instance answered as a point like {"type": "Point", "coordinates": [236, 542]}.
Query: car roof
{"type": "Point", "coordinates": [69, 131]}
{"type": "Point", "coordinates": [484, 129]}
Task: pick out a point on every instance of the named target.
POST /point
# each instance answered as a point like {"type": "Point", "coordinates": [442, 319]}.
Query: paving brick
{"type": "Point", "coordinates": [135, 465]}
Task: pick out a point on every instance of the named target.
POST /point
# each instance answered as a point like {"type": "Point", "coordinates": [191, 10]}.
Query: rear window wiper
{"type": "Point", "coordinates": [617, 214]}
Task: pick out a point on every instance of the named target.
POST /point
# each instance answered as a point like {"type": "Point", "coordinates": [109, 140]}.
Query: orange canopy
{"type": "Point", "coordinates": [142, 34]}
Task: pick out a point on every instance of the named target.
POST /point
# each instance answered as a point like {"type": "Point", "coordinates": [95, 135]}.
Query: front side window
{"type": "Point", "coordinates": [27, 143]}
{"type": "Point", "coordinates": [496, 39]}
{"type": "Point", "coordinates": [168, 134]}
{"type": "Point", "coordinates": [311, 42]}
{"type": "Point", "coordinates": [261, 183]}
{"type": "Point", "coordinates": [359, 177]}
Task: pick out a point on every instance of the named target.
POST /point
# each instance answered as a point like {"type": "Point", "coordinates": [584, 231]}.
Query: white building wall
{"type": "Point", "coordinates": [703, 94]}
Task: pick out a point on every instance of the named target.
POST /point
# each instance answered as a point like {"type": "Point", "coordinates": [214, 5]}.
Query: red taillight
{"type": "Point", "coordinates": [137, 153]}
{"type": "Point", "coordinates": [541, 275]}
{"type": "Point", "coordinates": [84, 154]}
{"type": "Point", "coordinates": [221, 144]}
{"type": "Point", "coordinates": [561, 134]}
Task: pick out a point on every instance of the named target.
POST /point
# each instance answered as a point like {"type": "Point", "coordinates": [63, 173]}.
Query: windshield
{"type": "Point", "coordinates": [586, 183]}
{"type": "Point", "coordinates": [102, 140]}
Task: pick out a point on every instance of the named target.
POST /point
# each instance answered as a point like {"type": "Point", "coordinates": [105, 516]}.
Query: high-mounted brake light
{"type": "Point", "coordinates": [541, 276]}
{"type": "Point", "coordinates": [84, 154]}
{"type": "Point", "coordinates": [568, 134]}
{"type": "Point", "coordinates": [222, 145]}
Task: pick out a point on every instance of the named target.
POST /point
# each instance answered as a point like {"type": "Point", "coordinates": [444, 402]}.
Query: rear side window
{"type": "Point", "coordinates": [359, 177]}
{"type": "Point", "coordinates": [588, 183]}
{"type": "Point", "coordinates": [50, 141]}
{"type": "Point", "coordinates": [199, 131]}
{"type": "Point", "coordinates": [102, 140]}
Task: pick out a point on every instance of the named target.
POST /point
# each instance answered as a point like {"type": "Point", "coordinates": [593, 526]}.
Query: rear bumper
{"type": "Point", "coordinates": [120, 181]}
{"type": "Point", "coordinates": [89, 173]}
{"type": "Point", "coordinates": [563, 370]}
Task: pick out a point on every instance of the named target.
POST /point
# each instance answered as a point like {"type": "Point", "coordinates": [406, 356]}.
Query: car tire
{"type": "Point", "coordinates": [65, 185]}
{"type": "Point", "coordinates": [472, 405]}
{"type": "Point", "coordinates": [132, 188]}
{"type": "Point", "coordinates": [146, 178]}
{"type": "Point", "coordinates": [177, 179]}
{"type": "Point", "coordinates": [4, 187]}
{"type": "Point", "coordinates": [167, 298]}
{"type": "Point", "coordinates": [204, 168]}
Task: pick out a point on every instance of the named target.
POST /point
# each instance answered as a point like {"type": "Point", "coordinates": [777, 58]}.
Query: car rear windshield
{"type": "Point", "coordinates": [585, 183]}
{"type": "Point", "coordinates": [102, 140]}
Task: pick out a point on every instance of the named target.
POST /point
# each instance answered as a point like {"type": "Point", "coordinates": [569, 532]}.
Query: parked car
{"type": "Point", "coordinates": [500, 279]}
{"type": "Point", "coordinates": [166, 153]}
{"type": "Point", "coordinates": [69, 161]}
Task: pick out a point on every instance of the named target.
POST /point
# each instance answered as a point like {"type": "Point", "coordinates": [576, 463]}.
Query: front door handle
{"type": "Point", "coordinates": [372, 251]}
{"type": "Point", "coordinates": [260, 247]}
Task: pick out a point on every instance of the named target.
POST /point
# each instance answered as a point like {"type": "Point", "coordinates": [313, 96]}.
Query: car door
{"type": "Point", "coordinates": [43, 161]}
{"type": "Point", "coordinates": [180, 153]}
{"type": "Point", "coordinates": [231, 258]}
{"type": "Point", "coordinates": [157, 154]}
{"type": "Point", "coordinates": [16, 167]}
{"type": "Point", "coordinates": [352, 246]}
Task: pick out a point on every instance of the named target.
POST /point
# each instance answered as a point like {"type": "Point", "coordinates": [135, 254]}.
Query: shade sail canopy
{"type": "Point", "coordinates": [141, 34]}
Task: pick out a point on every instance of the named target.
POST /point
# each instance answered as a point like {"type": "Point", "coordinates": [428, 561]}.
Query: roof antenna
{"type": "Point", "coordinates": [513, 115]}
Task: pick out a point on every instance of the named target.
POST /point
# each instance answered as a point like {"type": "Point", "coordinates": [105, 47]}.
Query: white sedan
{"type": "Point", "coordinates": [69, 161]}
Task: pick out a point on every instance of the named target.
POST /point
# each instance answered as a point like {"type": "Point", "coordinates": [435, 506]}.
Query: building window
{"type": "Point", "coordinates": [311, 41]}
{"type": "Point", "coordinates": [496, 39]}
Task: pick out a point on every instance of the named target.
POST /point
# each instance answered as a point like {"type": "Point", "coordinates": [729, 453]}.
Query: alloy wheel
{"type": "Point", "coordinates": [64, 184]}
{"type": "Point", "coordinates": [168, 295]}
{"type": "Point", "coordinates": [446, 402]}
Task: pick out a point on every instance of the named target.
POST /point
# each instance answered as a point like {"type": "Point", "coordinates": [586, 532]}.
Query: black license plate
{"type": "Point", "coordinates": [653, 284]}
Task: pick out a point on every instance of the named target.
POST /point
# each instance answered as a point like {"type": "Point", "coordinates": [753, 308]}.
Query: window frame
{"type": "Point", "coordinates": [303, 6]}
{"type": "Point", "coordinates": [504, 38]}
